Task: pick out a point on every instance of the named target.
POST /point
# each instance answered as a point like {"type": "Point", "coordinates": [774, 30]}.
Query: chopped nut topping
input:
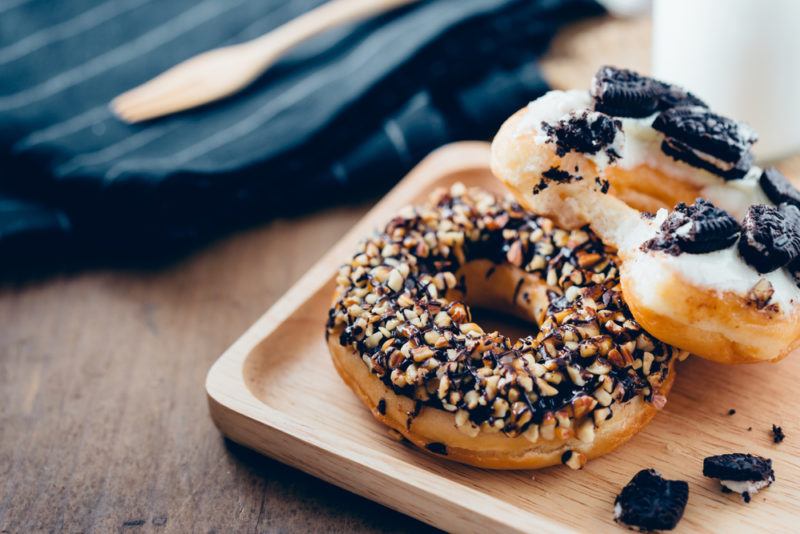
{"type": "Point", "coordinates": [574, 460]}
{"type": "Point", "coordinates": [397, 309]}
{"type": "Point", "coordinates": [761, 293]}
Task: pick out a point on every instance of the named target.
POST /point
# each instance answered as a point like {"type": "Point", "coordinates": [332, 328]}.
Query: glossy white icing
{"type": "Point", "coordinates": [638, 143]}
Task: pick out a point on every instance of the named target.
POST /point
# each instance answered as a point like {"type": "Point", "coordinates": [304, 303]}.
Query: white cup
{"type": "Point", "coordinates": [741, 56]}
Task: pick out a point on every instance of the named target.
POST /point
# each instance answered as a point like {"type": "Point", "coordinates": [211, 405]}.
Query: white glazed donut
{"type": "Point", "coordinates": [570, 156]}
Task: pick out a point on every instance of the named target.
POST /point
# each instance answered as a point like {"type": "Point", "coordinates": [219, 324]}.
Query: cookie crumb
{"type": "Point", "coordinates": [777, 434]}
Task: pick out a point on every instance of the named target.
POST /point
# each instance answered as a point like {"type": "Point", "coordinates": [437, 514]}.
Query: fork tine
{"type": "Point", "coordinates": [170, 103]}
{"type": "Point", "coordinates": [152, 90]}
{"type": "Point", "coordinates": [138, 102]}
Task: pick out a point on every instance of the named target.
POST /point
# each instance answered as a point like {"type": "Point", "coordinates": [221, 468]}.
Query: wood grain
{"type": "Point", "coordinates": [103, 419]}
{"type": "Point", "coordinates": [275, 390]}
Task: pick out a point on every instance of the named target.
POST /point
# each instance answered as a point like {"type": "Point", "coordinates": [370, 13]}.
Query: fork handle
{"type": "Point", "coordinates": [329, 15]}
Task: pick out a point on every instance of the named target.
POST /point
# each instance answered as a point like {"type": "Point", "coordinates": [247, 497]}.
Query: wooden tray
{"type": "Point", "coordinates": [276, 391]}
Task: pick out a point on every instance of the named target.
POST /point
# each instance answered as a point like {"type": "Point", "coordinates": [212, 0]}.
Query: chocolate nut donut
{"type": "Point", "coordinates": [401, 336]}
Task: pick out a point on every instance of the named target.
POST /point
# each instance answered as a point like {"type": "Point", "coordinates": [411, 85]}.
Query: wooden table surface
{"type": "Point", "coordinates": [103, 417]}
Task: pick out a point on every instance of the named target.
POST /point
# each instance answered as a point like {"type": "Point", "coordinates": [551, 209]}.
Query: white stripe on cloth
{"type": "Point", "coordinates": [69, 28]}
{"type": "Point", "coordinates": [120, 55]}
{"type": "Point", "coordinates": [294, 9]}
{"type": "Point", "coordinates": [11, 4]}
{"type": "Point", "coordinates": [114, 151]}
{"type": "Point", "coordinates": [74, 124]}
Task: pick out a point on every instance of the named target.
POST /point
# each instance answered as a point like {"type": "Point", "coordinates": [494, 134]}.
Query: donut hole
{"type": "Point", "coordinates": [501, 297]}
{"type": "Point", "coordinates": [508, 325]}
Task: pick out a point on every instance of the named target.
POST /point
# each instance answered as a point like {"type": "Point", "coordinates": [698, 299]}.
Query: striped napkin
{"type": "Point", "coordinates": [342, 116]}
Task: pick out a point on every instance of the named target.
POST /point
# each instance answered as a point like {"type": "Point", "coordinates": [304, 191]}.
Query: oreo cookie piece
{"type": "Point", "coordinates": [741, 473]}
{"type": "Point", "coordinates": [586, 132]}
{"type": "Point", "coordinates": [695, 229]}
{"type": "Point", "coordinates": [624, 93]}
{"type": "Point", "coordinates": [683, 152]}
{"type": "Point", "coordinates": [706, 140]}
{"type": "Point", "coordinates": [777, 188]}
{"type": "Point", "coordinates": [770, 236]}
{"type": "Point", "coordinates": [649, 502]}
{"type": "Point", "coordinates": [672, 96]}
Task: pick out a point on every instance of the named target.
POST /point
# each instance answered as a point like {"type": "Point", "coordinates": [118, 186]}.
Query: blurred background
{"type": "Point", "coordinates": [132, 255]}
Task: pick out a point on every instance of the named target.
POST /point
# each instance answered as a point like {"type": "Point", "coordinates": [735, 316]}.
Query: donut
{"type": "Point", "coordinates": [708, 243]}
{"type": "Point", "coordinates": [401, 335]}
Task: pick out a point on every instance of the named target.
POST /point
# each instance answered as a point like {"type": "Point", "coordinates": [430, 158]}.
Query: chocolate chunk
{"type": "Point", "coordinates": [738, 467]}
{"type": "Point", "coordinates": [777, 434]}
{"type": "Point", "coordinates": [649, 502]}
{"type": "Point", "coordinates": [704, 139]}
{"type": "Point", "coordinates": [558, 175]}
{"type": "Point", "coordinates": [770, 236]}
{"type": "Point", "coordinates": [624, 93]}
{"type": "Point", "coordinates": [777, 188]}
{"type": "Point", "coordinates": [437, 448]}
{"type": "Point", "coordinates": [585, 132]}
{"type": "Point", "coordinates": [602, 185]}
{"type": "Point", "coordinates": [696, 229]}
{"type": "Point", "coordinates": [732, 411]}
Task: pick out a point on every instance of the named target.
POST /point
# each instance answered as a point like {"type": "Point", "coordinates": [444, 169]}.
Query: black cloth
{"type": "Point", "coordinates": [341, 116]}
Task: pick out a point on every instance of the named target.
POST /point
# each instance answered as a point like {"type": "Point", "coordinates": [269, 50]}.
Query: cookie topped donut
{"type": "Point", "coordinates": [402, 336]}
{"type": "Point", "coordinates": [709, 243]}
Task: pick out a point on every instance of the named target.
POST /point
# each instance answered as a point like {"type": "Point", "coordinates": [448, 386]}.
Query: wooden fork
{"type": "Point", "coordinates": [223, 71]}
